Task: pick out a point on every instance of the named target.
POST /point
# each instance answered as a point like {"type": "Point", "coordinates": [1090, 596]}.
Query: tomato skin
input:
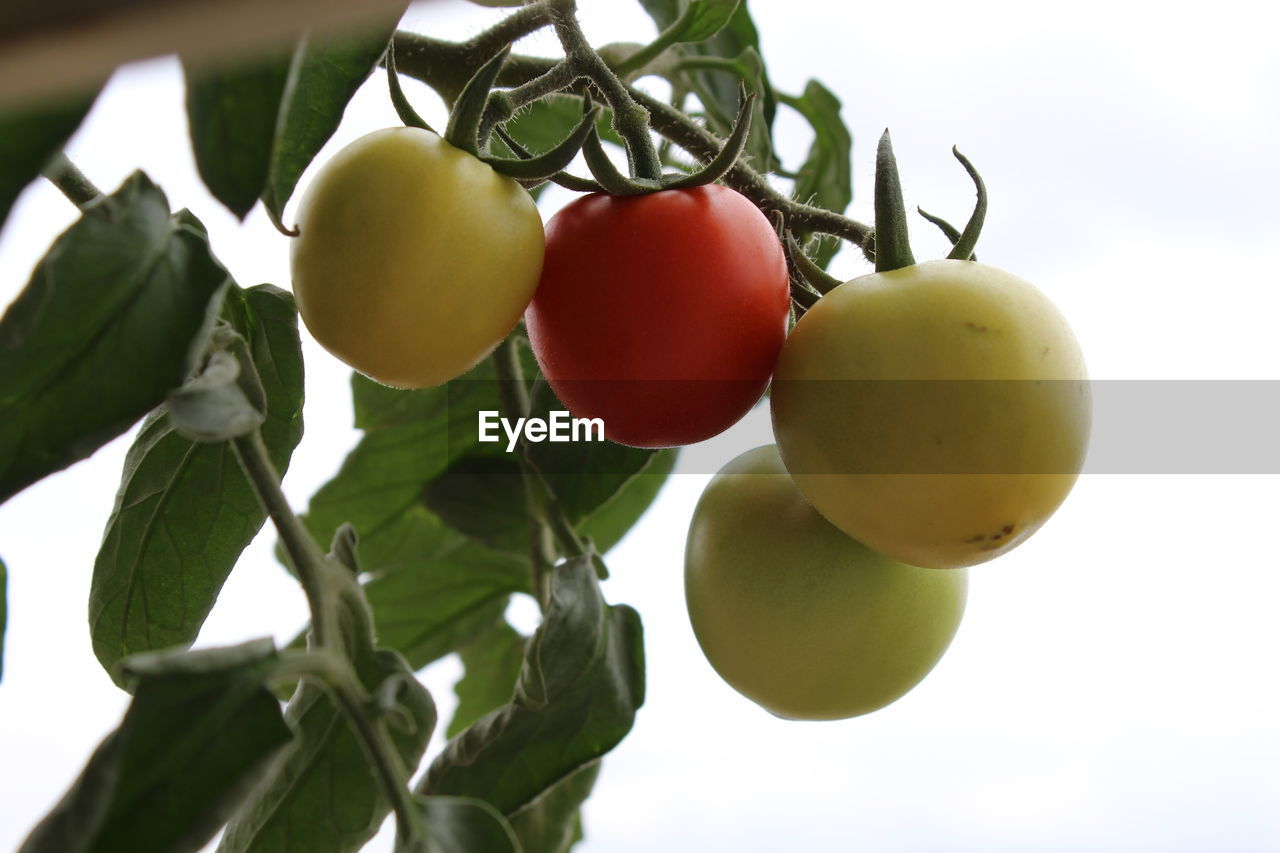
{"type": "Point", "coordinates": [661, 314]}
{"type": "Point", "coordinates": [939, 413]}
{"type": "Point", "coordinates": [798, 617]}
{"type": "Point", "coordinates": [413, 259]}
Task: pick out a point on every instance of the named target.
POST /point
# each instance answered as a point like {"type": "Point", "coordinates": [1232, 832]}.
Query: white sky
{"type": "Point", "coordinates": [1114, 684]}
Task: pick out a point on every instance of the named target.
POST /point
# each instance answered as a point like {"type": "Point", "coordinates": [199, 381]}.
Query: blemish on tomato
{"type": "Point", "coordinates": [975, 326]}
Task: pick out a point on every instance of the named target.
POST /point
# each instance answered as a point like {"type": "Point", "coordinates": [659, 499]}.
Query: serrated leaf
{"type": "Point", "coordinates": [103, 330]}
{"type": "Point", "coordinates": [4, 610]}
{"type": "Point", "coordinates": [233, 113]}
{"type": "Point", "coordinates": [461, 825]}
{"type": "Point", "coordinates": [185, 510]}
{"type": "Point", "coordinates": [325, 71]}
{"type": "Point", "coordinates": [323, 797]}
{"type": "Point", "coordinates": [826, 177]}
{"type": "Point", "coordinates": [199, 733]}
{"type": "Point", "coordinates": [553, 822]}
{"type": "Point", "coordinates": [491, 664]}
{"type": "Point", "coordinates": [580, 686]}
{"type": "Point", "coordinates": [29, 136]}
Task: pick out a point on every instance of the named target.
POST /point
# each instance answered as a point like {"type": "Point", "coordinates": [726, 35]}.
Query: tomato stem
{"type": "Point", "coordinates": [436, 62]}
{"type": "Point", "coordinates": [515, 400]}
{"type": "Point", "coordinates": [327, 584]}
{"type": "Point", "coordinates": [630, 119]}
{"type": "Point", "coordinates": [72, 182]}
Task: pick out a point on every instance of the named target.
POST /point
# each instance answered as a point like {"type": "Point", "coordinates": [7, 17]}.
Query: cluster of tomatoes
{"type": "Point", "coordinates": [927, 418]}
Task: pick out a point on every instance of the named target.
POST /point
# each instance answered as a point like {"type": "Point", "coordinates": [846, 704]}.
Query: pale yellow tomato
{"type": "Point", "coordinates": [413, 259]}
{"type": "Point", "coordinates": [794, 614]}
{"type": "Point", "coordinates": [938, 413]}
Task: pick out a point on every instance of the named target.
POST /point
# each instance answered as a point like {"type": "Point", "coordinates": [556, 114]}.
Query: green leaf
{"type": "Point", "coordinates": [826, 178]}
{"type": "Point", "coordinates": [553, 823]}
{"type": "Point", "coordinates": [491, 665]}
{"type": "Point", "coordinates": [323, 75]}
{"type": "Point", "coordinates": [461, 825]}
{"type": "Point", "coordinates": [32, 134]}
{"type": "Point", "coordinates": [185, 510]}
{"type": "Point", "coordinates": [323, 797]}
{"type": "Point", "coordinates": [4, 610]}
{"type": "Point", "coordinates": [233, 113]}
{"type": "Point", "coordinates": [199, 734]}
{"type": "Point", "coordinates": [609, 522]}
{"type": "Point", "coordinates": [102, 332]}
{"type": "Point", "coordinates": [544, 124]}
{"type": "Point", "coordinates": [703, 19]}
{"type": "Point", "coordinates": [482, 494]}
{"type": "Point", "coordinates": [580, 686]}
{"type": "Point", "coordinates": [432, 604]}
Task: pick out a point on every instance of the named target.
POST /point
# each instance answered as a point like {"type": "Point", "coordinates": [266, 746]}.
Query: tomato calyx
{"type": "Point", "coordinates": [463, 130]}
{"type": "Point", "coordinates": [616, 183]}
{"type": "Point", "coordinates": [892, 244]}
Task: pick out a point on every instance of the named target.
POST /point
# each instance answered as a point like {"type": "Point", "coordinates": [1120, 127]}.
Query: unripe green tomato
{"type": "Point", "coordinates": [798, 617]}
{"type": "Point", "coordinates": [938, 413]}
{"type": "Point", "coordinates": [413, 259]}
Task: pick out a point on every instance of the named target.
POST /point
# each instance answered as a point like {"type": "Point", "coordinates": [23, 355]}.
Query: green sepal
{"type": "Point", "coordinates": [812, 274]}
{"type": "Point", "coordinates": [399, 100]}
{"type": "Point", "coordinates": [948, 230]}
{"type": "Point", "coordinates": [463, 130]}
{"type": "Point", "coordinates": [963, 249]}
{"type": "Point", "coordinates": [893, 243]}
{"type": "Point", "coordinates": [719, 166]}
{"type": "Point", "coordinates": [545, 166]}
{"type": "Point", "coordinates": [613, 181]}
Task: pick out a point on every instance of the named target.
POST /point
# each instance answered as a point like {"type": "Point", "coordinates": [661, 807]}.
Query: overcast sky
{"type": "Point", "coordinates": [1113, 686]}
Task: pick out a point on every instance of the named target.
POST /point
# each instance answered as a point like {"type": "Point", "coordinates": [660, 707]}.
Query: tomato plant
{"type": "Point", "coordinates": [658, 302]}
{"type": "Point", "coordinates": [936, 412]}
{"type": "Point", "coordinates": [662, 313]}
{"type": "Point", "coordinates": [413, 259]}
{"type": "Point", "coordinates": [798, 617]}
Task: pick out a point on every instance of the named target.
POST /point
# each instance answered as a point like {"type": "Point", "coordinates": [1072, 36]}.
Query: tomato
{"type": "Point", "coordinates": [938, 413]}
{"type": "Point", "coordinates": [661, 314]}
{"type": "Point", "coordinates": [798, 617]}
{"type": "Point", "coordinates": [413, 259]}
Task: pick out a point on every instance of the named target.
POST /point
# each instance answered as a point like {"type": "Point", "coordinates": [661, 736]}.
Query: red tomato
{"type": "Point", "coordinates": [660, 314]}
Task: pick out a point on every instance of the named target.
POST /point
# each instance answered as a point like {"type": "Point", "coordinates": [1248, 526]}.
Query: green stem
{"type": "Point", "coordinates": [71, 181]}
{"type": "Point", "coordinates": [436, 63]}
{"type": "Point", "coordinates": [324, 584]}
{"type": "Point", "coordinates": [308, 562]}
{"type": "Point", "coordinates": [515, 401]}
{"type": "Point", "coordinates": [387, 766]}
{"type": "Point", "coordinates": [630, 120]}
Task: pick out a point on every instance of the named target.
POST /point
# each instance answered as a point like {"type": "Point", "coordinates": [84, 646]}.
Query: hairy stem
{"type": "Point", "coordinates": [387, 766]}
{"type": "Point", "coordinates": [515, 402]}
{"type": "Point", "coordinates": [73, 183]}
{"type": "Point", "coordinates": [427, 59]}
{"type": "Point", "coordinates": [630, 120]}
{"type": "Point", "coordinates": [325, 584]}
{"type": "Point", "coordinates": [308, 562]}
